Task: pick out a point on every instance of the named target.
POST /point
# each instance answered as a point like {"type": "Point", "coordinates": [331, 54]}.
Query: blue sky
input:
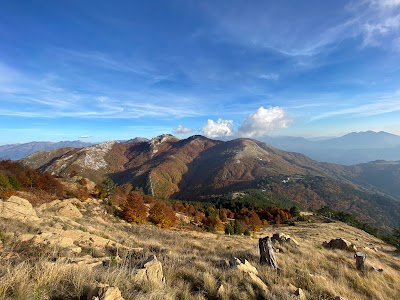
{"type": "Point", "coordinates": [101, 70]}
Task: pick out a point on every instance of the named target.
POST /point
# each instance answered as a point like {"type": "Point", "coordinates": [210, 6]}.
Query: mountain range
{"type": "Point", "coordinates": [18, 151]}
{"type": "Point", "coordinates": [198, 168]}
{"type": "Point", "coordinates": [352, 148]}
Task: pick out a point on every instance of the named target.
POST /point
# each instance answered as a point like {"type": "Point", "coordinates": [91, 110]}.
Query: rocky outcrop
{"type": "Point", "coordinates": [74, 239]}
{"type": "Point", "coordinates": [65, 208]}
{"type": "Point", "coordinates": [70, 211]}
{"type": "Point", "coordinates": [105, 292]}
{"type": "Point", "coordinates": [150, 271]}
{"type": "Point", "coordinates": [340, 244]}
{"type": "Point", "coordinates": [18, 208]}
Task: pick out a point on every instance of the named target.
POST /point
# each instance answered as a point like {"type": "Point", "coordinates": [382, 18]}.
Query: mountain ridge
{"type": "Point", "coordinates": [352, 148]}
{"type": "Point", "coordinates": [21, 150]}
{"type": "Point", "coordinates": [199, 167]}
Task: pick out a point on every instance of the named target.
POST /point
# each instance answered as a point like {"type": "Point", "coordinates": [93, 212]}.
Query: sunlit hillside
{"type": "Point", "coordinates": [71, 247]}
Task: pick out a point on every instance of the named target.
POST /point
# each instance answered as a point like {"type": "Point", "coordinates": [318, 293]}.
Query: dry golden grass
{"type": "Point", "coordinates": [195, 267]}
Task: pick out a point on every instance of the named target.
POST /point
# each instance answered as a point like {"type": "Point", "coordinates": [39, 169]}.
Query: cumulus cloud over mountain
{"type": "Point", "coordinates": [263, 121]}
{"type": "Point", "coordinates": [221, 128]}
{"type": "Point", "coordinates": [258, 124]}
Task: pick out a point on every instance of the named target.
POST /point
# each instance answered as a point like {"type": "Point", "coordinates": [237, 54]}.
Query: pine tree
{"type": "Point", "coordinates": [229, 229]}
{"type": "Point", "coordinates": [237, 227]}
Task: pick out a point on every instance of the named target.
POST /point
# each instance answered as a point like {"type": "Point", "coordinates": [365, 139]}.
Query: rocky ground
{"type": "Point", "coordinates": [79, 250]}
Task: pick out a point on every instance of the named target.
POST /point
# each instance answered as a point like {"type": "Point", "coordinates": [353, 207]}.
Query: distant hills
{"type": "Point", "coordinates": [18, 151]}
{"type": "Point", "coordinates": [352, 148]}
{"type": "Point", "coordinates": [198, 168]}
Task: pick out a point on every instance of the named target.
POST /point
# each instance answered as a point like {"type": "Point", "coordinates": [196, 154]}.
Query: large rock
{"type": "Point", "coordinates": [283, 238]}
{"type": "Point", "coordinates": [340, 244]}
{"type": "Point", "coordinates": [18, 208]}
{"type": "Point", "coordinates": [70, 211]}
{"type": "Point", "coordinates": [250, 272]}
{"type": "Point", "coordinates": [150, 271]}
{"type": "Point", "coordinates": [105, 292]}
{"type": "Point", "coordinates": [66, 208]}
{"type": "Point", "coordinates": [245, 267]}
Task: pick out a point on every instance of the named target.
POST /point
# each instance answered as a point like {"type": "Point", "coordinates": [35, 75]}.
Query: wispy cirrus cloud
{"type": "Point", "coordinates": [43, 96]}
{"type": "Point", "coordinates": [261, 26]}
{"type": "Point", "coordinates": [105, 61]}
{"type": "Point", "coordinates": [380, 107]}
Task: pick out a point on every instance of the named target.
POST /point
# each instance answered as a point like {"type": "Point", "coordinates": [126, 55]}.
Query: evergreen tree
{"type": "Point", "coordinates": [237, 227]}
{"type": "Point", "coordinates": [229, 229]}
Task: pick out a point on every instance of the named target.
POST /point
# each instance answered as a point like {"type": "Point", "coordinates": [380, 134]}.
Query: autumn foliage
{"type": "Point", "coordinates": [15, 176]}
{"type": "Point", "coordinates": [135, 211]}
{"type": "Point", "coordinates": [215, 222]}
{"type": "Point", "coordinates": [162, 215]}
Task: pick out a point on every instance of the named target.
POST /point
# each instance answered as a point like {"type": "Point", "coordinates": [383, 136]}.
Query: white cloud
{"type": "Point", "coordinates": [221, 128]}
{"type": "Point", "coordinates": [263, 121]}
{"type": "Point", "coordinates": [269, 76]}
{"type": "Point", "coordinates": [374, 32]}
{"type": "Point", "coordinates": [182, 130]}
{"type": "Point", "coordinates": [85, 136]}
{"type": "Point", "coordinates": [384, 3]}
{"type": "Point", "coordinates": [257, 124]}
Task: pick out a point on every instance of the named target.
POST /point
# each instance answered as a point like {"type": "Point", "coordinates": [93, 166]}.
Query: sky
{"type": "Point", "coordinates": [115, 70]}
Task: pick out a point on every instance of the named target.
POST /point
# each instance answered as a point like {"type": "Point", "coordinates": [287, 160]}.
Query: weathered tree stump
{"type": "Point", "coordinates": [360, 260]}
{"type": "Point", "coordinates": [267, 255]}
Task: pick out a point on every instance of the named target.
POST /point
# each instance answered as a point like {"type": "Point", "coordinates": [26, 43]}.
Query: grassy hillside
{"type": "Point", "coordinates": [194, 263]}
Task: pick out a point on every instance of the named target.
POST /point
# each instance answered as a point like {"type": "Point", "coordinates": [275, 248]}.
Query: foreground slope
{"type": "Point", "coordinates": [198, 168]}
{"type": "Point", "coordinates": [63, 255]}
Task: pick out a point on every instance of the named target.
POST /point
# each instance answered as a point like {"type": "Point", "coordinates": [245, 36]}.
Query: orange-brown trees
{"type": "Point", "coordinates": [254, 221]}
{"type": "Point", "coordinates": [134, 211]}
{"type": "Point", "coordinates": [162, 215]}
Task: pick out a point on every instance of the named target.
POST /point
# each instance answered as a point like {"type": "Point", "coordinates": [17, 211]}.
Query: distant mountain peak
{"type": "Point", "coordinates": [370, 132]}
{"type": "Point", "coordinates": [138, 140]}
{"type": "Point", "coordinates": [18, 151]}
{"type": "Point", "coordinates": [163, 138]}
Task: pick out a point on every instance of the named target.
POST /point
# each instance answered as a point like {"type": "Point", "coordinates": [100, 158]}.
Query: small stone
{"type": "Point", "coordinates": [300, 294]}
{"type": "Point", "coordinates": [292, 288]}
{"type": "Point", "coordinates": [105, 292]}
{"type": "Point", "coordinates": [377, 269]}
{"type": "Point", "coordinates": [221, 290]}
